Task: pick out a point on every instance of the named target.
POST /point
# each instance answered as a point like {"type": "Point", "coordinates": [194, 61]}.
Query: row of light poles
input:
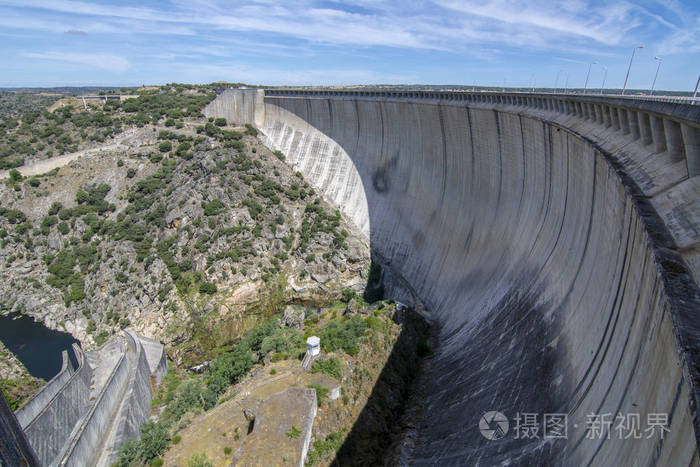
{"type": "Point", "coordinates": [533, 80]}
{"type": "Point", "coordinates": [629, 68]}
{"type": "Point", "coordinates": [656, 75]}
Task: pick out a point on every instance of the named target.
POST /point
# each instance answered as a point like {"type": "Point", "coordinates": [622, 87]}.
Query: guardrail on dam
{"type": "Point", "coordinates": [555, 241]}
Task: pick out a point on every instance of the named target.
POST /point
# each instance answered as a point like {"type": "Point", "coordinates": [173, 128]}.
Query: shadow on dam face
{"type": "Point", "coordinates": [559, 297]}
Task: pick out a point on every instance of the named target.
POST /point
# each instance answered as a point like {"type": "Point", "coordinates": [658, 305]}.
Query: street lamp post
{"type": "Point", "coordinates": [695, 93]}
{"type": "Point", "coordinates": [605, 75]}
{"type": "Point", "coordinates": [624, 86]}
{"type": "Point", "coordinates": [585, 86]}
{"type": "Point", "coordinates": [556, 82]}
{"type": "Point", "coordinates": [656, 75]}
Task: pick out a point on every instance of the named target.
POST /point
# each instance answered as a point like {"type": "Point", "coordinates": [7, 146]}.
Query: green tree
{"type": "Point", "coordinates": [154, 440]}
{"type": "Point", "coordinates": [165, 146]}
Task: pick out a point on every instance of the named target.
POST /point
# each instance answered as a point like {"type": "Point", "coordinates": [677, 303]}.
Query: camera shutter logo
{"type": "Point", "coordinates": [493, 425]}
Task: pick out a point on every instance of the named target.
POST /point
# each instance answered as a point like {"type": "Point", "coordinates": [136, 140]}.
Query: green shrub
{"type": "Point", "coordinates": [321, 392]}
{"type": "Point", "coordinates": [177, 439]}
{"type": "Point", "coordinates": [343, 335]}
{"type": "Point", "coordinates": [165, 146]}
{"type": "Point", "coordinates": [294, 432]}
{"type": "Point", "coordinates": [154, 440]}
{"type": "Point", "coordinates": [323, 447]}
{"type": "Point", "coordinates": [164, 291]}
{"type": "Point", "coordinates": [81, 196]}
{"type": "Point", "coordinates": [207, 288]}
{"type": "Point", "coordinates": [130, 172]}
{"type": "Point", "coordinates": [213, 208]}
{"type": "Point", "coordinates": [34, 182]}
{"type": "Point", "coordinates": [199, 460]}
{"type": "Point", "coordinates": [328, 366]}
{"type": "Point", "coordinates": [129, 454]}
{"type": "Point", "coordinates": [182, 148]}
{"type": "Point", "coordinates": [227, 450]}
{"type": "Point", "coordinates": [282, 340]}
{"type": "Point", "coordinates": [348, 294]}
{"type": "Point", "coordinates": [250, 130]}
{"type": "Point", "coordinates": [55, 208]}
{"type": "Point", "coordinates": [158, 462]}
{"type": "Point", "coordinates": [13, 216]}
{"type": "Point", "coordinates": [254, 208]}
{"type": "Point", "coordinates": [15, 176]}
{"type": "Point", "coordinates": [48, 222]}
{"type": "Point", "coordinates": [220, 121]}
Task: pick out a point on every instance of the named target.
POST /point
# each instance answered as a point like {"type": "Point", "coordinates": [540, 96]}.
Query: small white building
{"type": "Point", "coordinates": [313, 345]}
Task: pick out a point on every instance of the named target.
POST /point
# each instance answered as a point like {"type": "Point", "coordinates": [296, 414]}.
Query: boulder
{"type": "Point", "coordinates": [354, 306]}
{"type": "Point", "coordinates": [293, 317]}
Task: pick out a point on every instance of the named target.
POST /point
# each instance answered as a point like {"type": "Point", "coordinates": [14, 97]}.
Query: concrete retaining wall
{"type": "Point", "coordinates": [87, 442]}
{"type": "Point", "coordinates": [47, 431]}
{"type": "Point", "coordinates": [156, 357]}
{"type": "Point", "coordinates": [36, 404]}
{"type": "Point", "coordinates": [549, 236]}
{"type": "Point", "coordinates": [242, 107]}
{"type": "Point", "coordinates": [137, 400]}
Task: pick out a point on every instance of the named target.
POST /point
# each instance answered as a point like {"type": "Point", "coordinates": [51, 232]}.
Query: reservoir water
{"type": "Point", "coordinates": [36, 346]}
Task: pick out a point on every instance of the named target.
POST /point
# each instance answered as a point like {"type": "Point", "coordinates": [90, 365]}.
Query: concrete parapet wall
{"type": "Point", "coordinates": [36, 404]}
{"type": "Point", "coordinates": [47, 431]}
{"type": "Point", "coordinates": [87, 441]}
{"type": "Point", "coordinates": [549, 235]}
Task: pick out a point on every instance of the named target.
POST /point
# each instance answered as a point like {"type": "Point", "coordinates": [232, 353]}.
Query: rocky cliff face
{"type": "Point", "coordinates": [184, 229]}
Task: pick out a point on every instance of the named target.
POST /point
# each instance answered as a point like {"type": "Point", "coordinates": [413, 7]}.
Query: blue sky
{"type": "Point", "coordinates": [304, 42]}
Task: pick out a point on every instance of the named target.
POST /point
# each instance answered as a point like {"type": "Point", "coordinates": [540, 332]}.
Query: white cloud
{"type": "Point", "coordinates": [242, 72]}
{"type": "Point", "coordinates": [446, 25]}
{"type": "Point", "coordinates": [96, 60]}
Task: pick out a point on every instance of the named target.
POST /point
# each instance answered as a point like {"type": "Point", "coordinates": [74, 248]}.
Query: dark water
{"type": "Point", "coordinates": [36, 346]}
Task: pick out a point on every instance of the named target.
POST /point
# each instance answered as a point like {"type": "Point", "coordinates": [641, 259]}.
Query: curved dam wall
{"type": "Point", "coordinates": [36, 404]}
{"type": "Point", "coordinates": [48, 429]}
{"type": "Point", "coordinates": [553, 238]}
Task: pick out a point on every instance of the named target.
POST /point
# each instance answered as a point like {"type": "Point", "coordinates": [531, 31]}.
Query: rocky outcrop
{"type": "Point", "coordinates": [233, 246]}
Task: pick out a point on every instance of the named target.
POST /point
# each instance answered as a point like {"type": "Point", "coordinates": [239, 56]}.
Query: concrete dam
{"type": "Point", "coordinates": [554, 241]}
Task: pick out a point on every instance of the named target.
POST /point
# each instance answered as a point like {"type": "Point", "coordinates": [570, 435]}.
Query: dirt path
{"type": "Point", "coordinates": [47, 165]}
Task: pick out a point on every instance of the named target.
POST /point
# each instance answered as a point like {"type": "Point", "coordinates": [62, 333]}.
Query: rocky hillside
{"type": "Point", "coordinates": [189, 236]}
{"type": "Point", "coordinates": [15, 381]}
{"type": "Point", "coordinates": [36, 126]}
